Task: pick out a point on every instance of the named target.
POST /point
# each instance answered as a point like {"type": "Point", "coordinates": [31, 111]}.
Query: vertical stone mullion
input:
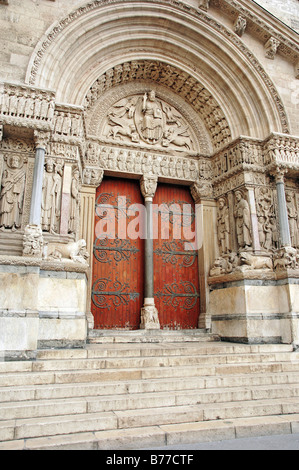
{"type": "Point", "coordinates": [149, 313]}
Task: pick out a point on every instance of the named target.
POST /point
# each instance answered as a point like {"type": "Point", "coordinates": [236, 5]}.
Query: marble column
{"type": "Point", "coordinates": [149, 313]}
{"type": "Point", "coordinates": [33, 237]}
{"type": "Point", "coordinates": [284, 228]}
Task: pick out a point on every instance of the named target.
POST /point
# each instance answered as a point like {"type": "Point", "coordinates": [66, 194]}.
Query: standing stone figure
{"type": "Point", "coordinates": [75, 191]}
{"type": "Point", "coordinates": [12, 194]}
{"type": "Point", "coordinates": [293, 220]}
{"type": "Point", "coordinates": [243, 222]}
{"type": "Point", "coordinates": [223, 227]}
{"type": "Point", "coordinates": [51, 197]}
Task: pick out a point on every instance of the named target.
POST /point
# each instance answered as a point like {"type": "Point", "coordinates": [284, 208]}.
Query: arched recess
{"type": "Point", "coordinates": [100, 35]}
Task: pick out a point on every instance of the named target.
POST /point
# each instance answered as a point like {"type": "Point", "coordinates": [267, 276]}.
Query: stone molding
{"type": "Point", "coordinates": [230, 7]}
{"type": "Point", "coordinates": [199, 15]}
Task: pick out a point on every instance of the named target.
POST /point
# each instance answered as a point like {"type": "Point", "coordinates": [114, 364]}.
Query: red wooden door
{"type": "Point", "coordinates": [176, 274]}
{"type": "Point", "coordinates": [118, 266]}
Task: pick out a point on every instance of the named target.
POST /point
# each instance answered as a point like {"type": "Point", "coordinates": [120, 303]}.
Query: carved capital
{"type": "Point", "coordinates": [297, 70]}
{"type": "Point", "coordinates": [148, 185]}
{"type": "Point", "coordinates": [201, 191]}
{"type": "Point", "coordinates": [41, 139]}
{"type": "Point", "coordinates": [271, 47]}
{"type": "Point", "coordinates": [93, 177]}
{"type": "Point", "coordinates": [279, 174]}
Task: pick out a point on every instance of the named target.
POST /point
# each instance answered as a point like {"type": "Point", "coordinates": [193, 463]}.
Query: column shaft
{"type": "Point", "coordinates": [37, 189]}
{"type": "Point", "coordinates": [284, 227]}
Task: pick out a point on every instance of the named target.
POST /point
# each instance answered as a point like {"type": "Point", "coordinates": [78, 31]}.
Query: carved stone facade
{"type": "Point", "coordinates": [196, 103]}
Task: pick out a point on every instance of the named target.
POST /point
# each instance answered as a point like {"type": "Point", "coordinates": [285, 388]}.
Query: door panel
{"type": "Point", "coordinates": [176, 275]}
{"type": "Point", "coordinates": [118, 267]}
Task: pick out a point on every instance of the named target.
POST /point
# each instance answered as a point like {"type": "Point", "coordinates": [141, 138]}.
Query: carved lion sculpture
{"type": "Point", "coordinates": [249, 261]}
{"type": "Point", "coordinates": [75, 251]}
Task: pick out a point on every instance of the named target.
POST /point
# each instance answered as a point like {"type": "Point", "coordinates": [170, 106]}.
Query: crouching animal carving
{"type": "Point", "coordinates": [249, 261]}
{"type": "Point", "coordinates": [74, 251]}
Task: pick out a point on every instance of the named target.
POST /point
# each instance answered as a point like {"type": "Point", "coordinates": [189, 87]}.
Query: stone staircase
{"type": "Point", "coordinates": [134, 396]}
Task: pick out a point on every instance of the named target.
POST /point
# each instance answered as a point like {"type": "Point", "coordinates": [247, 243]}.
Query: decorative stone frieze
{"type": "Point", "coordinates": [24, 106]}
{"type": "Point", "coordinates": [122, 160]}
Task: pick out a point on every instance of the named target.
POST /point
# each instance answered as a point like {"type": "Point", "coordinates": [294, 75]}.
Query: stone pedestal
{"type": "Point", "coordinates": [42, 305]}
{"type": "Point", "coordinates": [250, 308]}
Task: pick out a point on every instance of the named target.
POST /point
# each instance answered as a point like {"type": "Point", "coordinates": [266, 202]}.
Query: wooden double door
{"type": "Point", "coordinates": [118, 256]}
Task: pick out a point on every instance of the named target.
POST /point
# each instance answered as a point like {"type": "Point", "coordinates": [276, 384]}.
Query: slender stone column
{"type": "Point", "coordinates": [149, 313]}
{"type": "Point", "coordinates": [284, 228]}
{"type": "Point", "coordinates": [33, 236]}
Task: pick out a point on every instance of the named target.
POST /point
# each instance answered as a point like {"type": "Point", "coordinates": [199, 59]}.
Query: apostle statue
{"type": "Point", "coordinates": [75, 193]}
{"type": "Point", "coordinates": [243, 221]}
{"type": "Point", "coordinates": [51, 199]}
{"type": "Point", "coordinates": [293, 220]}
{"type": "Point", "coordinates": [223, 227]}
{"type": "Point", "coordinates": [12, 194]}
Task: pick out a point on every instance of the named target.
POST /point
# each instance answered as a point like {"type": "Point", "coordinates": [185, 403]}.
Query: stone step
{"type": "Point", "coordinates": [59, 391]}
{"type": "Point", "coordinates": [146, 362]}
{"type": "Point", "coordinates": [142, 401]}
{"type": "Point", "coordinates": [133, 350]}
{"type": "Point", "coordinates": [140, 437]}
{"type": "Point", "coordinates": [122, 374]}
{"type": "Point", "coordinates": [153, 362]}
{"type": "Point", "coordinates": [150, 336]}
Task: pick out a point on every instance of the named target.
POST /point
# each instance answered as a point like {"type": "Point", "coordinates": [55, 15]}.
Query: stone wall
{"type": "Point", "coordinates": [285, 10]}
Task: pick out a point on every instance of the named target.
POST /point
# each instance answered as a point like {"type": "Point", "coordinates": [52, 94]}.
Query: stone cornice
{"type": "Point", "coordinates": [262, 24]}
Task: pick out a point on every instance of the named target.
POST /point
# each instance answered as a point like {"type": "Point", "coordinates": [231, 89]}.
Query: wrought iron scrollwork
{"type": "Point", "coordinates": [173, 296]}
{"type": "Point", "coordinates": [120, 294]}
{"type": "Point", "coordinates": [120, 250]}
{"type": "Point", "coordinates": [171, 252]}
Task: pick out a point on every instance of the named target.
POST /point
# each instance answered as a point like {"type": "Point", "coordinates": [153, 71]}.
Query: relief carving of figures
{"type": "Point", "coordinates": [51, 200]}
{"type": "Point", "coordinates": [148, 119]}
{"type": "Point", "coordinates": [12, 193]}
{"type": "Point", "coordinates": [243, 221]}
{"type": "Point", "coordinates": [266, 218]}
{"type": "Point", "coordinates": [293, 219]}
{"type": "Point", "coordinates": [223, 227]}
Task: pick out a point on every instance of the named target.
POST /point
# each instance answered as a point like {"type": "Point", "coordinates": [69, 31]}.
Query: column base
{"type": "Point", "coordinates": [149, 316]}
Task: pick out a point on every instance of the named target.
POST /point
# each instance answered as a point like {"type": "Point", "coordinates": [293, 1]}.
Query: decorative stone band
{"type": "Point", "coordinates": [24, 106]}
